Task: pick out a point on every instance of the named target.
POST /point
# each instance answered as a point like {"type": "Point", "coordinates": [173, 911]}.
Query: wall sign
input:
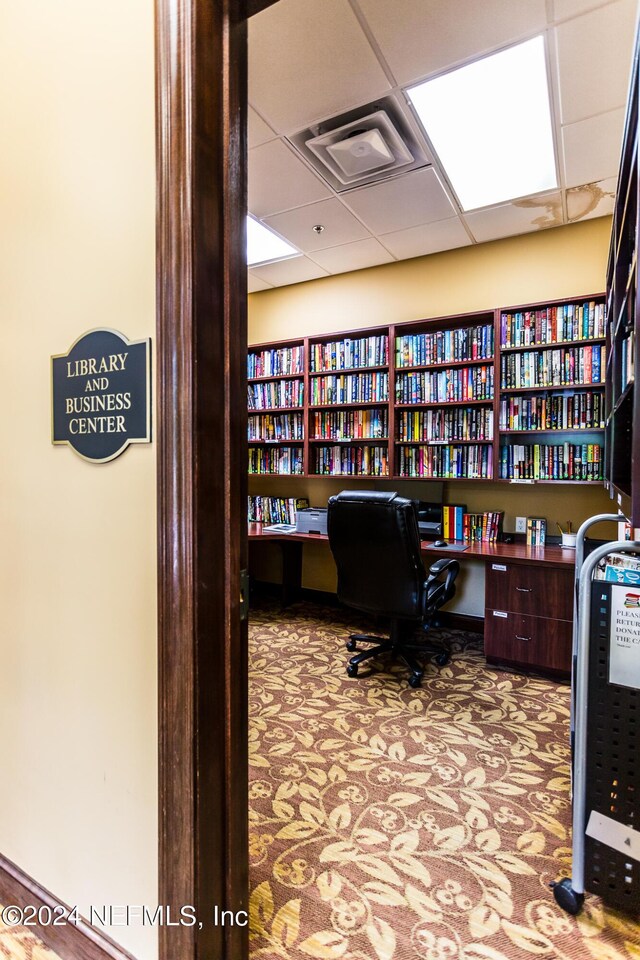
{"type": "Point", "coordinates": [101, 395]}
{"type": "Point", "coordinates": [624, 639]}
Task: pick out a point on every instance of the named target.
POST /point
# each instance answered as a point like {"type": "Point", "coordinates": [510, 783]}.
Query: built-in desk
{"type": "Point", "coordinates": [528, 595]}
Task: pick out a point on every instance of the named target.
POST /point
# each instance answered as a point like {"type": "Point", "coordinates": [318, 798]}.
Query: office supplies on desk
{"type": "Point", "coordinates": [281, 528]}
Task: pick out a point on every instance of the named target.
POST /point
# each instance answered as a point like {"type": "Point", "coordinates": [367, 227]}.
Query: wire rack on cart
{"type": "Point", "coordinates": [605, 735]}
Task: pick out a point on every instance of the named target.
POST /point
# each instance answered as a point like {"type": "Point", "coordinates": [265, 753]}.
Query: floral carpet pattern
{"type": "Point", "coordinates": [388, 823]}
{"type": "Point", "coordinates": [20, 943]}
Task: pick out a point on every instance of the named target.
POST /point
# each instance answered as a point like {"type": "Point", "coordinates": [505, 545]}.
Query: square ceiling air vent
{"type": "Point", "coordinates": [366, 145]}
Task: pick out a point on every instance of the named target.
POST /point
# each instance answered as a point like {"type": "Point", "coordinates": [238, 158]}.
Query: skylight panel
{"type": "Point", "coordinates": [265, 246]}
{"type": "Point", "coordinates": [490, 124]}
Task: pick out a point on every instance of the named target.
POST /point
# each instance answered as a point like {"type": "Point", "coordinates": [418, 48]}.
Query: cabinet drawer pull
{"type": "Point", "coordinates": [522, 638]}
{"type": "Point", "coordinates": [524, 589]}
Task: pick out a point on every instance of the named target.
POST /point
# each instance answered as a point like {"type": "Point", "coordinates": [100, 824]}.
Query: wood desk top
{"type": "Point", "coordinates": [552, 556]}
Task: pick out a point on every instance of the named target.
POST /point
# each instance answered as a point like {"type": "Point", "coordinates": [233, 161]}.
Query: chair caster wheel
{"type": "Point", "coordinates": [415, 680]}
{"type": "Point", "coordinates": [442, 659]}
{"type": "Point", "coordinates": [566, 896]}
{"type": "Point", "coordinates": [351, 645]}
{"type": "Point", "coordinates": [352, 670]}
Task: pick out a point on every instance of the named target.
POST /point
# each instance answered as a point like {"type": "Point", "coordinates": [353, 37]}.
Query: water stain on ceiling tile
{"type": "Point", "coordinates": [551, 214]}
{"type": "Point", "coordinates": [585, 200]}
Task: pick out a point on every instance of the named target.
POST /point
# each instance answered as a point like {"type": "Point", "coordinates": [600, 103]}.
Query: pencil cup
{"type": "Point", "coordinates": [568, 539]}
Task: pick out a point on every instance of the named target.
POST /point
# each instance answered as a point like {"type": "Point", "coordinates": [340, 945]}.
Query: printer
{"type": "Point", "coordinates": [312, 520]}
{"type": "Point", "coordinates": [429, 519]}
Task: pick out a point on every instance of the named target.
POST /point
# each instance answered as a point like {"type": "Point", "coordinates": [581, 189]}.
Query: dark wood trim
{"type": "Point", "coordinates": [257, 6]}
{"type": "Point", "coordinates": [69, 941]}
{"type": "Point", "coordinates": [201, 335]}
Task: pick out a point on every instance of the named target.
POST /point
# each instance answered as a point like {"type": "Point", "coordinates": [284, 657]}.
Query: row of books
{"type": "Point", "coordinates": [627, 360]}
{"type": "Point", "coordinates": [576, 411]}
{"type": "Point", "coordinates": [570, 321]}
{"type": "Point", "coordinates": [283, 460]}
{"type": "Point", "coordinates": [482, 527]}
{"type": "Point", "coordinates": [275, 509]}
{"type": "Point", "coordinates": [546, 461]}
{"type": "Point", "coordinates": [277, 393]}
{"type": "Point", "coordinates": [445, 346]}
{"type": "Point", "coordinates": [536, 531]}
{"type": "Point", "coordinates": [458, 423]}
{"type": "Point", "coordinates": [350, 424]}
{"type": "Point", "coordinates": [352, 461]}
{"type": "Point", "coordinates": [350, 353]}
{"type": "Point", "coordinates": [452, 521]}
{"type": "Point", "coordinates": [350, 388]}
{"type": "Point", "coordinates": [449, 462]}
{"type": "Point", "coordinates": [464, 383]}
{"type": "Point", "coordinates": [276, 426]}
{"type": "Point", "coordinates": [276, 362]}
{"type": "Point", "coordinates": [555, 367]}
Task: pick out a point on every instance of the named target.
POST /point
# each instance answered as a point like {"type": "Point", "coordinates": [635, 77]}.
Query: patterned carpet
{"type": "Point", "coordinates": [20, 943]}
{"type": "Point", "coordinates": [393, 824]}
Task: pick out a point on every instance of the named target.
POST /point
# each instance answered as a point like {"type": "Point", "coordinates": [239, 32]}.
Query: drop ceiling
{"type": "Point", "coordinates": [311, 60]}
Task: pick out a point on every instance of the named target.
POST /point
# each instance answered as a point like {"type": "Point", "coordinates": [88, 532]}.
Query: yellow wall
{"type": "Point", "coordinates": [546, 265]}
{"type": "Point", "coordinates": [78, 559]}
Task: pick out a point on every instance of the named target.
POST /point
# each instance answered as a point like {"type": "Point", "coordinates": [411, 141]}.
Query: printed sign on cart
{"type": "Point", "coordinates": [101, 395]}
{"type": "Point", "coordinates": [624, 640]}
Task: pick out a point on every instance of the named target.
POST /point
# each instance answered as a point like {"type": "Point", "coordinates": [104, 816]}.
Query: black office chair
{"type": "Point", "coordinates": [375, 542]}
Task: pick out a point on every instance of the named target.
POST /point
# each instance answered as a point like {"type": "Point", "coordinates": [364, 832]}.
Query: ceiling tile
{"type": "Point", "coordinates": [520, 216]}
{"type": "Point", "coordinates": [592, 148]}
{"type": "Point", "coordinates": [254, 284]}
{"type": "Point", "coordinates": [420, 38]}
{"type": "Point", "coordinates": [257, 130]}
{"type": "Point", "coordinates": [564, 9]}
{"type": "Point", "coordinates": [352, 256]}
{"type": "Point", "coordinates": [594, 58]}
{"type": "Point", "coordinates": [296, 270]}
{"type": "Point", "coordinates": [340, 226]}
{"type": "Point", "coordinates": [591, 200]}
{"type": "Point", "coordinates": [278, 180]}
{"type": "Point", "coordinates": [429, 238]}
{"type": "Point", "coordinates": [406, 201]}
{"type": "Point", "coordinates": [309, 61]}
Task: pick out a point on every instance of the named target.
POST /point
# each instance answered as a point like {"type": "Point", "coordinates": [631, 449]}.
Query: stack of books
{"type": "Point", "coordinates": [482, 527]}
{"type": "Point", "coordinates": [536, 531]}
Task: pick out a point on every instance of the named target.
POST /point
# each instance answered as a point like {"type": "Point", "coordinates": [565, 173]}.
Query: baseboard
{"type": "Point", "coordinates": [454, 621]}
{"type": "Point", "coordinates": [264, 588]}
{"type": "Point", "coordinates": [70, 941]}
{"type": "Point", "coordinates": [461, 621]}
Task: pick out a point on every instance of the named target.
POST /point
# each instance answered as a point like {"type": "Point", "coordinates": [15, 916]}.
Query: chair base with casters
{"type": "Point", "coordinates": [401, 645]}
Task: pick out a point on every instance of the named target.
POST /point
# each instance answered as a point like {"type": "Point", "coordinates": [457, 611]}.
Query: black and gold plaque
{"type": "Point", "coordinates": [101, 395]}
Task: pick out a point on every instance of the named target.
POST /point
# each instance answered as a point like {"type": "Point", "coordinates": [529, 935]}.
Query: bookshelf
{"type": "Point", "coordinates": [551, 393]}
{"type": "Point", "coordinates": [622, 461]}
{"type": "Point", "coordinates": [444, 390]}
{"type": "Point", "coordinates": [508, 395]}
{"type": "Point", "coordinates": [349, 404]}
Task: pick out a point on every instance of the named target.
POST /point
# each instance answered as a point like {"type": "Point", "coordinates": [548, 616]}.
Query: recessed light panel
{"type": "Point", "coordinates": [265, 246]}
{"type": "Point", "coordinates": [490, 124]}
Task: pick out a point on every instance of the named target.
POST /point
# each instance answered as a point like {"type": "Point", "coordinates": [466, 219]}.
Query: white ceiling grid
{"type": "Point", "coordinates": [310, 60]}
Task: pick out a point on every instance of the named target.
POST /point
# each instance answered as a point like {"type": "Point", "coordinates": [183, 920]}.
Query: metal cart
{"type": "Point", "coordinates": [605, 725]}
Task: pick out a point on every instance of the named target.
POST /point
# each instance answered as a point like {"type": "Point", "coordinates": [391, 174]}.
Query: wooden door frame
{"type": "Point", "coordinates": [201, 99]}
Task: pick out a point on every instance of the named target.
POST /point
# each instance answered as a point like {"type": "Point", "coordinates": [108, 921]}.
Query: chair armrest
{"type": "Point", "coordinates": [443, 564]}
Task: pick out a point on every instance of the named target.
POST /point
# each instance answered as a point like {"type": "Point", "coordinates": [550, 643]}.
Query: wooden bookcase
{"type": "Point", "coordinates": [551, 404]}
{"type": "Point", "coordinates": [622, 462]}
{"type": "Point", "coordinates": [451, 398]}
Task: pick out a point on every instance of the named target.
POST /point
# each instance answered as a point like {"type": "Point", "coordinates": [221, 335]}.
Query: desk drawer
{"type": "Point", "coordinates": [532, 590]}
{"type": "Point", "coordinates": [533, 641]}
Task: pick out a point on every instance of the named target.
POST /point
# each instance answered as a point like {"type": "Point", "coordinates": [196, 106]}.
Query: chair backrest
{"type": "Point", "coordinates": [375, 542]}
